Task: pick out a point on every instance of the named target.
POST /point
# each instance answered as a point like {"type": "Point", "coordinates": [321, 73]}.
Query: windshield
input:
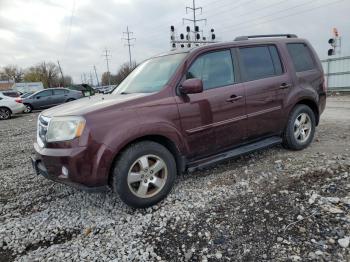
{"type": "Point", "coordinates": [151, 75]}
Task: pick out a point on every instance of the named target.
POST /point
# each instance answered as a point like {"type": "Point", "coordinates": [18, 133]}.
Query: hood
{"type": "Point", "coordinates": [88, 104]}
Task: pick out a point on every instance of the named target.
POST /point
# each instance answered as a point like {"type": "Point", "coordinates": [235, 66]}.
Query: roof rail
{"type": "Point", "coordinates": [241, 38]}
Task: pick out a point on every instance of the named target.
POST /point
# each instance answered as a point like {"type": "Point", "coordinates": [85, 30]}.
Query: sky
{"type": "Point", "coordinates": [76, 32]}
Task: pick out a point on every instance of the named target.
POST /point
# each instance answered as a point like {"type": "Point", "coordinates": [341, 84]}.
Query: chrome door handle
{"type": "Point", "coordinates": [234, 98]}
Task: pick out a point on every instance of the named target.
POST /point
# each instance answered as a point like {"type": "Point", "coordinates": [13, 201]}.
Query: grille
{"type": "Point", "coordinates": [43, 123]}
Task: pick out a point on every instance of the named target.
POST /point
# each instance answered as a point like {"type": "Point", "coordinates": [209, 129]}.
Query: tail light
{"type": "Point", "coordinates": [19, 100]}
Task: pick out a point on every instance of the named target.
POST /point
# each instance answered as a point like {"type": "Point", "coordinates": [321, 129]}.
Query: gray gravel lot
{"type": "Point", "coordinates": [275, 205]}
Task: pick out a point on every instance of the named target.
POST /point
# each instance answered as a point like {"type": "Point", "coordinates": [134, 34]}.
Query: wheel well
{"type": "Point", "coordinates": [164, 141]}
{"type": "Point", "coordinates": [6, 108]}
{"type": "Point", "coordinates": [313, 106]}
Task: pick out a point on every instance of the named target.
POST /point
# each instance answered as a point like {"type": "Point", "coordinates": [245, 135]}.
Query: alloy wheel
{"type": "Point", "coordinates": [4, 113]}
{"type": "Point", "coordinates": [302, 127]}
{"type": "Point", "coordinates": [147, 176]}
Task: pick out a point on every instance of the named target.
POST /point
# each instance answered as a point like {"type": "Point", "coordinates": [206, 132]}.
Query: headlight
{"type": "Point", "coordinates": [65, 128]}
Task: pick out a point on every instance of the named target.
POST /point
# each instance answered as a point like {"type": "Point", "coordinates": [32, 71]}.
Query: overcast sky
{"type": "Point", "coordinates": [77, 32]}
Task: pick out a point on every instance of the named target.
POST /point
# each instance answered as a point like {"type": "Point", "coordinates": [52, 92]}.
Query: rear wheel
{"type": "Point", "coordinates": [300, 129]}
{"type": "Point", "coordinates": [70, 100]}
{"type": "Point", "coordinates": [28, 109]}
{"type": "Point", "coordinates": [5, 113]}
{"type": "Point", "coordinates": [144, 174]}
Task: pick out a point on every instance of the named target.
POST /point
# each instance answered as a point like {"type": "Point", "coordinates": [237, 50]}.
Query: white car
{"type": "Point", "coordinates": [9, 106]}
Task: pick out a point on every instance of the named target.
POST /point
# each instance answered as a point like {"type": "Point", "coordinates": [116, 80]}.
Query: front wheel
{"type": "Point", "coordinates": [144, 174]}
{"type": "Point", "coordinates": [5, 113]}
{"type": "Point", "coordinates": [300, 129]}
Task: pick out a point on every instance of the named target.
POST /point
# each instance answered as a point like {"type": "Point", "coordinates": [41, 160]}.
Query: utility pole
{"type": "Point", "coordinates": [107, 55]}
{"type": "Point", "coordinates": [128, 39]}
{"type": "Point", "coordinates": [194, 9]}
{"type": "Point", "coordinates": [59, 66]}
{"type": "Point", "coordinates": [98, 83]}
{"type": "Point", "coordinates": [194, 36]}
{"type": "Point", "coordinates": [91, 81]}
{"type": "Point", "coordinates": [84, 75]}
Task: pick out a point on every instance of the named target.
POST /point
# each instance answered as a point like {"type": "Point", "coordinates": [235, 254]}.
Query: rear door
{"type": "Point", "coordinates": [266, 82]}
{"type": "Point", "coordinates": [59, 96]}
{"type": "Point", "coordinates": [214, 119]}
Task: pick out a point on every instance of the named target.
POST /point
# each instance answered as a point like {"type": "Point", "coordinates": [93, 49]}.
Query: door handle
{"type": "Point", "coordinates": [285, 85]}
{"type": "Point", "coordinates": [234, 98]}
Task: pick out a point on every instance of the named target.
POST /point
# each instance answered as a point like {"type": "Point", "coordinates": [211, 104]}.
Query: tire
{"type": "Point", "coordinates": [135, 170]}
{"type": "Point", "coordinates": [5, 113]}
{"type": "Point", "coordinates": [28, 109]}
{"type": "Point", "coordinates": [300, 129]}
{"type": "Point", "coordinates": [70, 100]}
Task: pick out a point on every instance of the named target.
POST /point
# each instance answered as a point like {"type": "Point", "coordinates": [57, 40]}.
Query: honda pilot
{"type": "Point", "coordinates": [184, 110]}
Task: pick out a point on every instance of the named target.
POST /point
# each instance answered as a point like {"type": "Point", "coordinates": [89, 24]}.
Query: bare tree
{"type": "Point", "coordinates": [12, 72]}
{"type": "Point", "coordinates": [48, 73]}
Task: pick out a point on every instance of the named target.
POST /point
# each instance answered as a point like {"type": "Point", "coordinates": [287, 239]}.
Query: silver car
{"type": "Point", "coordinates": [50, 97]}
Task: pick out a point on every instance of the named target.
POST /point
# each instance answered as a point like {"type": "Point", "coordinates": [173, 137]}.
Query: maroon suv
{"type": "Point", "coordinates": [183, 110]}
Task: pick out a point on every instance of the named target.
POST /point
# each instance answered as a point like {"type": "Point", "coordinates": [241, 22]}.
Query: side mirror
{"type": "Point", "coordinates": [192, 86]}
{"type": "Point", "coordinates": [38, 97]}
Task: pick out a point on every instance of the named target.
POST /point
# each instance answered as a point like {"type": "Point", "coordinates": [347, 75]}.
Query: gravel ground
{"type": "Point", "coordinates": [275, 205]}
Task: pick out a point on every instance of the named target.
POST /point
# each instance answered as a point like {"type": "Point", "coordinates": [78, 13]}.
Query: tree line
{"type": "Point", "coordinates": [46, 72]}
{"type": "Point", "coordinates": [49, 74]}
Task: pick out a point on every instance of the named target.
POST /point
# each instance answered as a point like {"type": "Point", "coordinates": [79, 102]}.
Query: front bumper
{"type": "Point", "coordinates": [86, 170]}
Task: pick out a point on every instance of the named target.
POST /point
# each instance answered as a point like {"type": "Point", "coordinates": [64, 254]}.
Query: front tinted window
{"type": "Point", "coordinates": [301, 57]}
{"type": "Point", "coordinates": [58, 91]}
{"type": "Point", "coordinates": [215, 69]}
{"type": "Point", "coordinates": [260, 62]}
{"type": "Point", "coordinates": [44, 93]}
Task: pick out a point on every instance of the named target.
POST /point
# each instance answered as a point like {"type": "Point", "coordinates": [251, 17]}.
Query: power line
{"type": "Point", "coordinates": [128, 39]}
{"type": "Point", "coordinates": [107, 55]}
{"type": "Point", "coordinates": [279, 17]}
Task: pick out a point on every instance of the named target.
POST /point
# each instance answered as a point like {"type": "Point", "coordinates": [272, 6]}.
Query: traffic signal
{"type": "Point", "coordinates": [332, 42]}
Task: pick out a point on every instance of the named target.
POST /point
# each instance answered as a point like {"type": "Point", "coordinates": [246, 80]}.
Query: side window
{"type": "Point", "coordinates": [44, 93]}
{"type": "Point", "coordinates": [58, 91]}
{"type": "Point", "coordinates": [301, 57]}
{"type": "Point", "coordinates": [215, 69]}
{"type": "Point", "coordinates": [260, 62]}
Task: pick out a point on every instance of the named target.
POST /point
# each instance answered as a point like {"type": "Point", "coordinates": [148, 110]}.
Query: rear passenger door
{"type": "Point", "coordinates": [59, 96]}
{"type": "Point", "coordinates": [266, 82]}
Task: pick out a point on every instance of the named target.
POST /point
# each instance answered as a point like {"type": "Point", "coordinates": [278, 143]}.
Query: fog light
{"type": "Point", "coordinates": [65, 173]}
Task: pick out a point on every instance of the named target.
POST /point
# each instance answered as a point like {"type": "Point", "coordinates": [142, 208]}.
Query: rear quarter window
{"type": "Point", "coordinates": [301, 57]}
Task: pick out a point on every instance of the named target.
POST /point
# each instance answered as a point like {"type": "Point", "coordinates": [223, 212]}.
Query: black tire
{"type": "Point", "coordinates": [28, 109]}
{"type": "Point", "coordinates": [70, 100]}
{"type": "Point", "coordinates": [128, 159]}
{"type": "Point", "coordinates": [290, 141]}
{"type": "Point", "coordinates": [5, 113]}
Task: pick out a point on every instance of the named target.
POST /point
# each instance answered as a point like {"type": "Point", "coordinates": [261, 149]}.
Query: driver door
{"type": "Point", "coordinates": [213, 120]}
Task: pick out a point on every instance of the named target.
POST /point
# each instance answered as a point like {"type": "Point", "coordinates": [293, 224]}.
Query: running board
{"type": "Point", "coordinates": [208, 161]}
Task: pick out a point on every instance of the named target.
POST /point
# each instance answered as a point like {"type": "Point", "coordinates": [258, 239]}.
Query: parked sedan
{"type": "Point", "coordinates": [50, 97]}
{"type": "Point", "coordinates": [9, 106]}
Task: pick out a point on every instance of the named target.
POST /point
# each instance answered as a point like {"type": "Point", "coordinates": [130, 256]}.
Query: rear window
{"type": "Point", "coordinates": [260, 62]}
{"type": "Point", "coordinates": [301, 57]}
